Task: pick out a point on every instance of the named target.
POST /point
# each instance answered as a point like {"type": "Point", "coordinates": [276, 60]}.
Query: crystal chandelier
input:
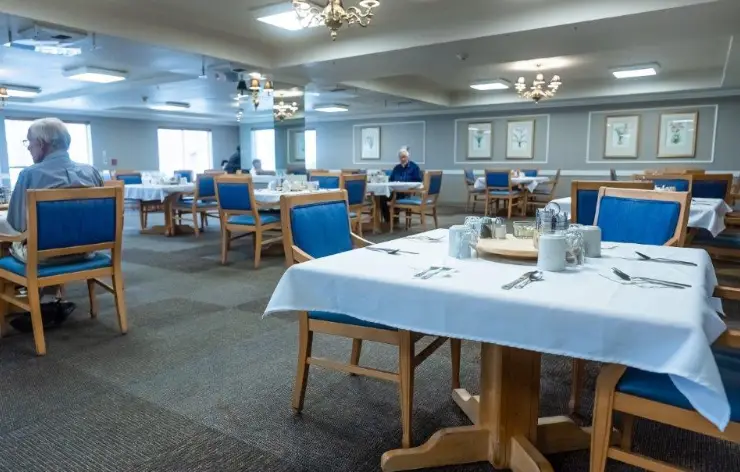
{"type": "Point", "coordinates": [537, 91]}
{"type": "Point", "coordinates": [253, 88]}
{"type": "Point", "coordinates": [334, 15]}
{"type": "Point", "coordinates": [283, 111]}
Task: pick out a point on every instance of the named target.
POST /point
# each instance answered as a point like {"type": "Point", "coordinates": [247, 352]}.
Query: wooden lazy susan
{"type": "Point", "coordinates": [510, 247]}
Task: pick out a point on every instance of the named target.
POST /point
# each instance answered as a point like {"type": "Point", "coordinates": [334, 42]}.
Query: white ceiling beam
{"type": "Point", "coordinates": [731, 71]}
{"type": "Point", "coordinates": [421, 94]}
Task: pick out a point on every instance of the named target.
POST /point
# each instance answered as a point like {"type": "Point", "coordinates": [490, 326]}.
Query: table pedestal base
{"type": "Point", "coordinates": [507, 432]}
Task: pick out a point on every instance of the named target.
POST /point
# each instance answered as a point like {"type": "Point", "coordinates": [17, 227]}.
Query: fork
{"type": "Point", "coordinates": [665, 283]}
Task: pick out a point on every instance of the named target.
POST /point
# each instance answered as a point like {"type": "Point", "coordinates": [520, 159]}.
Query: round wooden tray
{"type": "Point", "coordinates": [509, 247]}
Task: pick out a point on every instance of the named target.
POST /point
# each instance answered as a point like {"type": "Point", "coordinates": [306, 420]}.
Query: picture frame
{"type": "Point", "coordinates": [370, 143]}
{"type": "Point", "coordinates": [677, 136]}
{"type": "Point", "coordinates": [296, 145]}
{"type": "Point", "coordinates": [622, 136]}
{"type": "Point", "coordinates": [520, 139]}
{"type": "Point", "coordinates": [479, 140]}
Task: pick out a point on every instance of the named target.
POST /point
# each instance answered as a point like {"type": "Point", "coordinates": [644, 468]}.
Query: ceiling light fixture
{"type": "Point", "coordinates": [289, 93]}
{"type": "Point", "coordinates": [631, 72]}
{"type": "Point", "coordinates": [336, 108]}
{"type": "Point", "coordinates": [334, 15]}
{"type": "Point", "coordinates": [171, 106]}
{"type": "Point", "coordinates": [497, 84]}
{"type": "Point", "coordinates": [254, 87]}
{"type": "Point", "coordinates": [95, 75]}
{"type": "Point", "coordinates": [537, 91]}
{"type": "Point", "coordinates": [19, 91]}
{"type": "Point", "coordinates": [283, 111]}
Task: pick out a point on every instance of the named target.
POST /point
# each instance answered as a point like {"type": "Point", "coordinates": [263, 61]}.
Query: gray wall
{"type": "Point", "coordinates": [132, 142]}
{"type": "Point", "coordinates": [563, 140]}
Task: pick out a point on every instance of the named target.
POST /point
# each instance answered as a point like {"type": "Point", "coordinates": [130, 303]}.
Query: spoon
{"type": "Point", "coordinates": [645, 257]}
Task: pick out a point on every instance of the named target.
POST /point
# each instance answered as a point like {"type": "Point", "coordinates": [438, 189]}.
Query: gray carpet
{"type": "Point", "coordinates": [202, 383]}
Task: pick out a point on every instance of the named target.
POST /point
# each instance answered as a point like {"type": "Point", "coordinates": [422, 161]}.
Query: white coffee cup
{"type": "Point", "coordinates": [592, 240]}
{"type": "Point", "coordinates": [552, 249]}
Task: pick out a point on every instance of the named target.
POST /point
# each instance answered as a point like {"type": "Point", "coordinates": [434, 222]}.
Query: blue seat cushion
{"type": "Point", "coordinates": [413, 201]}
{"type": "Point", "coordinates": [98, 261]}
{"type": "Point", "coordinates": [504, 193]}
{"type": "Point", "coordinates": [660, 388]}
{"type": "Point", "coordinates": [344, 319]}
{"type": "Point", "coordinates": [730, 240]}
{"type": "Point", "coordinates": [265, 218]}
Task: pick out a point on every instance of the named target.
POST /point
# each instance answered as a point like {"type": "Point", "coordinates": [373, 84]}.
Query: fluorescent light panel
{"type": "Point", "coordinates": [497, 84]}
{"type": "Point", "coordinates": [18, 91]}
{"type": "Point", "coordinates": [645, 70]}
{"type": "Point", "coordinates": [288, 93]}
{"type": "Point", "coordinates": [281, 15]}
{"type": "Point", "coordinates": [95, 75]}
{"type": "Point", "coordinates": [171, 106]}
{"type": "Point", "coordinates": [331, 108]}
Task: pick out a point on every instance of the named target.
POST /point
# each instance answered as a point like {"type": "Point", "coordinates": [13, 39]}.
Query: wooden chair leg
{"type": "Point", "coordinates": [422, 217]}
{"type": "Point", "coordinates": [142, 218]}
{"type": "Point", "coordinates": [510, 204]}
{"type": "Point", "coordinates": [467, 204]}
{"type": "Point", "coordinates": [195, 224]}
{"type": "Point", "coordinates": [257, 248]}
{"type": "Point", "coordinates": [392, 213]}
{"type": "Point", "coordinates": [91, 296]}
{"type": "Point", "coordinates": [120, 300]}
{"type": "Point", "coordinates": [225, 238]}
{"type": "Point", "coordinates": [434, 215]}
{"type": "Point", "coordinates": [455, 352]}
{"type": "Point", "coordinates": [359, 225]}
{"type": "Point", "coordinates": [485, 211]}
{"type": "Point", "coordinates": [4, 325]}
{"type": "Point", "coordinates": [628, 425]}
{"type": "Point", "coordinates": [406, 386]}
{"type": "Point", "coordinates": [305, 340]}
{"type": "Point", "coordinates": [34, 302]}
{"type": "Point", "coordinates": [602, 421]}
{"type": "Point", "coordinates": [354, 358]}
{"type": "Point", "coordinates": [578, 371]}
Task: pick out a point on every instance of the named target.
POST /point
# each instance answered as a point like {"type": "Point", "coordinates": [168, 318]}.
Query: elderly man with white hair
{"type": "Point", "coordinates": [48, 142]}
{"type": "Point", "coordinates": [405, 171]}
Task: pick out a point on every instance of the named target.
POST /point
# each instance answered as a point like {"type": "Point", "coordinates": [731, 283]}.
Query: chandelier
{"type": "Point", "coordinates": [538, 91]}
{"type": "Point", "coordinates": [334, 15]}
{"type": "Point", "coordinates": [283, 111]}
{"type": "Point", "coordinates": [254, 88]}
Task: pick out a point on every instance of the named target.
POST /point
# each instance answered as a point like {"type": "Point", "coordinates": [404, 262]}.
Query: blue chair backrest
{"type": "Point", "coordinates": [681, 185]}
{"type": "Point", "coordinates": [587, 200]}
{"type": "Point", "coordinates": [321, 229]}
{"type": "Point", "coordinates": [497, 179]}
{"type": "Point", "coordinates": [326, 181]}
{"type": "Point", "coordinates": [710, 188]}
{"type": "Point", "coordinates": [187, 174]}
{"type": "Point", "coordinates": [355, 191]}
{"type": "Point", "coordinates": [130, 179]}
{"type": "Point", "coordinates": [435, 184]}
{"type": "Point", "coordinates": [469, 177]}
{"type": "Point", "coordinates": [630, 220]}
{"type": "Point", "coordinates": [234, 196]}
{"type": "Point", "coordinates": [70, 223]}
{"type": "Point", "coordinates": [530, 172]}
{"type": "Point", "coordinates": [206, 186]}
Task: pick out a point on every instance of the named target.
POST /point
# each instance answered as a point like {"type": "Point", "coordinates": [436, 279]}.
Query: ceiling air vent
{"type": "Point", "coordinates": [48, 39]}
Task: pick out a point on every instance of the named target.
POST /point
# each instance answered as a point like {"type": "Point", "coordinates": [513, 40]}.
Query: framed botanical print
{"type": "Point", "coordinates": [520, 139]}
{"type": "Point", "coordinates": [370, 143]}
{"type": "Point", "coordinates": [677, 136]}
{"type": "Point", "coordinates": [622, 136]}
{"type": "Point", "coordinates": [479, 141]}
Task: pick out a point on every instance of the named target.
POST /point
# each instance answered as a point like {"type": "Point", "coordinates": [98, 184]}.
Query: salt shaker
{"type": "Point", "coordinates": [499, 228]}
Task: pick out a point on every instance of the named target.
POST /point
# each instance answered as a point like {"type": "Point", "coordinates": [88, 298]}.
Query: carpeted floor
{"type": "Point", "coordinates": [202, 383]}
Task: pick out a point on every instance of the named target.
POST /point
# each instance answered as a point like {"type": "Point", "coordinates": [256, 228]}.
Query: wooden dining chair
{"type": "Point", "coordinates": [712, 186]}
{"type": "Point", "coordinates": [584, 195]}
{"type": "Point", "coordinates": [500, 189]}
{"type": "Point", "coordinates": [356, 188]}
{"type": "Point", "coordinates": [352, 171]}
{"type": "Point", "coordinates": [681, 182]}
{"type": "Point", "coordinates": [474, 195]}
{"type": "Point", "coordinates": [420, 202]}
{"type": "Point", "coordinates": [544, 193]}
{"type": "Point", "coordinates": [239, 212]}
{"type": "Point", "coordinates": [628, 215]}
{"type": "Point", "coordinates": [725, 245]}
{"type": "Point", "coordinates": [202, 204]}
{"type": "Point", "coordinates": [326, 179]}
{"type": "Point", "coordinates": [327, 214]}
{"type": "Point", "coordinates": [214, 172]}
{"type": "Point", "coordinates": [130, 177]}
{"type": "Point", "coordinates": [67, 222]}
{"type": "Point", "coordinates": [186, 174]}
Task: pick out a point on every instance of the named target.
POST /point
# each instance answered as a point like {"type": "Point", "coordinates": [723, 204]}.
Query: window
{"type": "Point", "coordinates": [263, 148]}
{"type": "Point", "coordinates": [310, 148]}
{"type": "Point", "coordinates": [184, 149]}
{"type": "Point", "coordinates": [16, 131]}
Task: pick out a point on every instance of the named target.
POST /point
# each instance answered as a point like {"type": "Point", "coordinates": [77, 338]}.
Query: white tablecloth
{"type": "Point", "coordinates": [266, 196]}
{"type": "Point", "coordinates": [706, 213]}
{"type": "Point", "coordinates": [154, 192]}
{"type": "Point", "coordinates": [385, 189]}
{"type": "Point", "coordinates": [530, 182]}
{"type": "Point", "coordinates": [655, 329]}
{"type": "Point", "coordinates": [5, 227]}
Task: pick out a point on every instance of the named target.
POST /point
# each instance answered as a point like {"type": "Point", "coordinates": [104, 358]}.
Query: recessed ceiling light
{"type": "Point", "coordinates": [171, 106]}
{"type": "Point", "coordinates": [96, 75]}
{"type": "Point", "coordinates": [497, 84]}
{"type": "Point", "coordinates": [280, 15]}
{"type": "Point", "coordinates": [644, 70]}
{"type": "Point", "coordinates": [331, 108]}
{"type": "Point", "coordinates": [21, 92]}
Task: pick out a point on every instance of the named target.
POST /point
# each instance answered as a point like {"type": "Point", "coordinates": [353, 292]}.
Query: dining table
{"type": "Point", "coordinates": [168, 194]}
{"type": "Point", "coordinates": [656, 329]}
{"type": "Point", "coordinates": [528, 182]}
{"type": "Point", "coordinates": [704, 213]}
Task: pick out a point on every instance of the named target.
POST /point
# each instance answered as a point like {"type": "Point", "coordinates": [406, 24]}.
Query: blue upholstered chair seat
{"type": "Point", "coordinates": [344, 319]}
{"type": "Point", "coordinates": [660, 388]}
{"type": "Point", "coordinates": [98, 261]}
{"type": "Point", "coordinates": [265, 218]}
{"type": "Point", "coordinates": [477, 190]}
{"type": "Point", "coordinates": [413, 201]}
{"type": "Point", "coordinates": [729, 240]}
{"type": "Point", "coordinates": [205, 205]}
{"type": "Point", "coordinates": [504, 193]}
